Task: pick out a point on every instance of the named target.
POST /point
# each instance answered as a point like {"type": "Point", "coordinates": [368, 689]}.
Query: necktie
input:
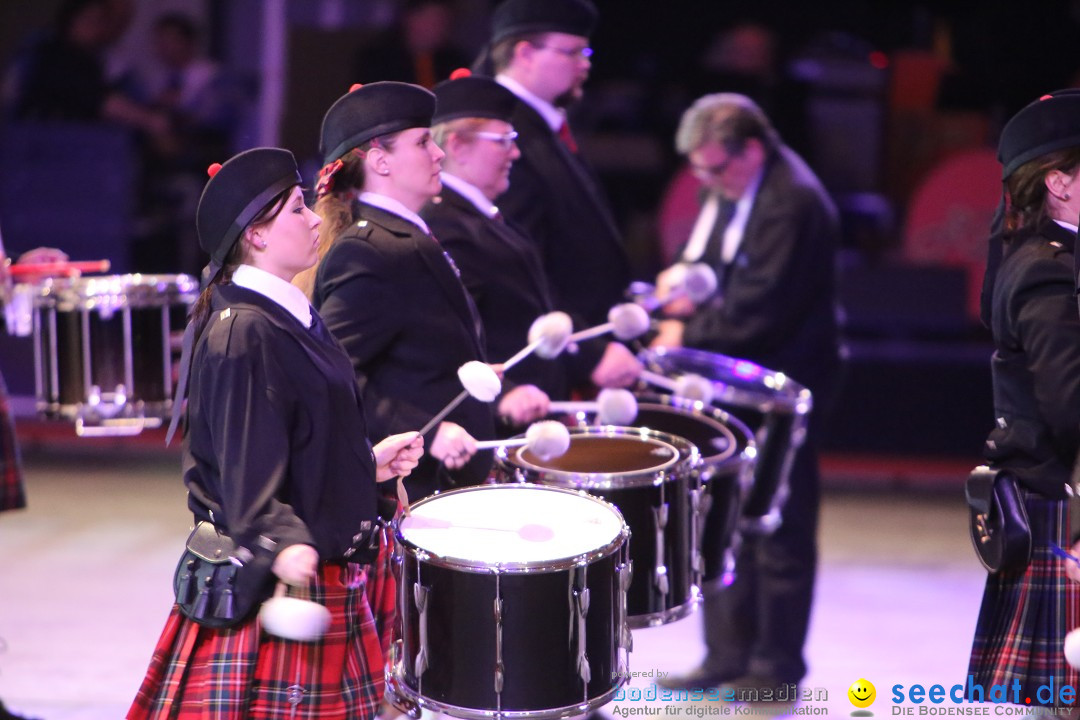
{"type": "Point", "coordinates": [567, 138]}
{"type": "Point", "coordinates": [478, 327]}
{"type": "Point", "coordinates": [318, 328]}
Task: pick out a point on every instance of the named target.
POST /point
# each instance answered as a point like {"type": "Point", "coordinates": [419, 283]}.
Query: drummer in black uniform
{"type": "Point", "coordinates": [500, 267]}
{"type": "Point", "coordinates": [276, 456]}
{"type": "Point", "coordinates": [390, 292]}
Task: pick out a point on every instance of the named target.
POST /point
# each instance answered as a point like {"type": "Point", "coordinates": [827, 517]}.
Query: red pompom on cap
{"type": "Point", "coordinates": [355, 86]}
{"type": "Point", "coordinates": [213, 169]}
{"type": "Point", "coordinates": [1046, 97]}
{"type": "Point", "coordinates": [460, 73]}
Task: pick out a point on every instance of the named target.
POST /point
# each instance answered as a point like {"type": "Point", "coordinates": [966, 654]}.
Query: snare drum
{"type": "Point", "coordinates": [104, 348]}
{"type": "Point", "coordinates": [650, 476]}
{"type": "Point", "coordinates": [764, 399]}
{"type": "Point", "coordinates": [513, 603]}
{"type": "Point", "coordinates": [728, 456]}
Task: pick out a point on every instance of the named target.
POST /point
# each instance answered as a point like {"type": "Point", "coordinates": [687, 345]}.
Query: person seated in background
{"type": "Point", "coordinates": [500, 267]}
{"type": "Point", "coordinates": [417, 49]}
{"type": "Point", "coordinates": [62, 76]}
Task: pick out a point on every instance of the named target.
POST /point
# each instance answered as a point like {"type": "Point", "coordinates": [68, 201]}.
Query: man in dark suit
{"type": "Point", "coordinates": [770, 231]}
{"type": "Point", "coordinates": [500, 267]}
{"type": "Point", "coordinates": [539, 51]}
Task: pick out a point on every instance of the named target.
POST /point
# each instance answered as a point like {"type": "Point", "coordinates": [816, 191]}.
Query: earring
{"type": "Point", "coordinates": [262, 245]}
{"type": "Point", "coordinates": [1066, 196]}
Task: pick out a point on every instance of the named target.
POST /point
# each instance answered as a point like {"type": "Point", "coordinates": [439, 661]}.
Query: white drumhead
{"type": "Point", "coordinates": [507, 524]}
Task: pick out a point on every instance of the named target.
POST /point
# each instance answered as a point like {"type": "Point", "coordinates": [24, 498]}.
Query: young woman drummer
{"type": "Point", "coordinates": [276, 456]}
{"type": "Point", "coordinates": [391, 294]}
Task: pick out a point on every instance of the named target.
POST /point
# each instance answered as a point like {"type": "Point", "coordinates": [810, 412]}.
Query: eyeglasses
{"type": "Point", "coordinates": [707, 172]}
{"type": "Point", "coordinates": [583, 53]}
{"type": "Point", "coordinates": [504, 140]}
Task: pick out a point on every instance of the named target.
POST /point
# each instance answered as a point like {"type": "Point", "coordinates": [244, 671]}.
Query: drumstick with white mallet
{"type": "Point", "coordinates": [480, 381]}
{"type": "Point", "coordinates": [626, 321]}
{"type": "Point", "coordinates": [612, 406]}
{"type": "Point", "coordinates": [689, 386]}
{"type": "Point", "coordinates": [548, 336]}
{"type": "Point", "coordinates": [695, 281]}
{"type": "Point", "coordinates": [546, 439]}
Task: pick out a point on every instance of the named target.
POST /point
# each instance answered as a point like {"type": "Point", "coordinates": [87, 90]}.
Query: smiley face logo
{"type": "Point", "coordinates": [862, 693]}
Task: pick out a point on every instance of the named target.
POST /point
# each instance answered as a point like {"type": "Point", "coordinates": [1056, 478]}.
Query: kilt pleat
{"type": "Point", "coordinates": [241, 673]}
{"type": "Point", "coordinates": [382, 592]}
{"type": "Point", "coordinates": [1024, 617]}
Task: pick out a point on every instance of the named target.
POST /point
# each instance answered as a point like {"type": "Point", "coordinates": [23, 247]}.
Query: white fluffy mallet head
{"type": "Point", "coordinates": [294, 619]}
{"type": "Point", "coordinates": [1072, 648]}
{"type": "Point", "coordinates": [479, 380]}
{"type": "Point", "coordinates": [694, 387]}
{"type": "Point", "coordinates": [553, 330]}
{"type": "Point", "coordinates": [547, 439]}
{"type": "Point", "coordinates": [699, 283]}
{"type": "Point", "coordinates": [628, 320]}
{"type": "Point", "coordinates": [615, 406]}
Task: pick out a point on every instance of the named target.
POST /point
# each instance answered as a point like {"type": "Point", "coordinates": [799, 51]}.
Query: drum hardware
{"type": "Point", "coordinates": [501, 596]}
{"type": "Point", "coordinates": [728, 458]}
{"type": "Point", "coordinates": [103, 348]}
{"type": "Point", "coordinates": [771, 401]}
{"type": "Point", "coordinates": [647, 475]}
{"type": "Point", "coordinates": [420, 594]}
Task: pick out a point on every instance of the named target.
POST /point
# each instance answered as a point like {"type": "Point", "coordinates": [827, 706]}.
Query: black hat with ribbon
{"type": "Point", "coordinates": [468, 96]}
{"type": "Point", "coordinates": [1050, 123]}
{"type": "Point", "coordinates": [522, 17]}
{"type": "Point", "coordinates": [237, 192]}
{"type": "Point", "coordinates": [368, 111]}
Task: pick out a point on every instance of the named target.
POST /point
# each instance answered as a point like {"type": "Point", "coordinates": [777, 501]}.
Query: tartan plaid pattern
{"type": "Point", "coordinates": [12, 491]}
{"type": "Point", "coordinates": [382, 592]}
{"type": "Point", "coordinates": [241, 673]}
{"type": "Point", "coordinates": [1020, 634]}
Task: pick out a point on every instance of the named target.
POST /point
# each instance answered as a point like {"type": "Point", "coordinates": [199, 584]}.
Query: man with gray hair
{"type": "Point", "coordinates": [769, 230]}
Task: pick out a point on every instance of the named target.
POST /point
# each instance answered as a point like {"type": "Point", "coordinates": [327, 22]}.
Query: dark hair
{"type": "Point", "coordinates": [200, 312]}
{"type": "Point", "coordinates": [1026, 188]}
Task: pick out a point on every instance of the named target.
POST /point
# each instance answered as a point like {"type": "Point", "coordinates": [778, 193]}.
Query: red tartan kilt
{"type": "Point", "coordinates": [198, 673]}
{"type": "Point", "coordinates": [1024, 617]}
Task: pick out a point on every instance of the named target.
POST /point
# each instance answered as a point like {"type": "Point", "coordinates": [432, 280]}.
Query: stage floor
{"type": "Point", "coordinates": [896, 601]}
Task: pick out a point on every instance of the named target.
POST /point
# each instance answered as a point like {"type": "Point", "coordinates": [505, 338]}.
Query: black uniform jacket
{"type": "Point", "coordinates": [559, 205]}
{"type": "Point", "coordinates": [1036, 364]}
{"type": "Point", "coordinates": [502, 271]}
{"type": "Point", "coordinates": [276, 445]}
{"type": "Point", "coordinates": [777, 303]}
{"type": "Point", "coordinates": [391, 296]}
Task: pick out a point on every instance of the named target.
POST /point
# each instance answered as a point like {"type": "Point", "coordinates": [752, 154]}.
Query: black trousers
{"type": "Point", "coordinates": [758, 624]}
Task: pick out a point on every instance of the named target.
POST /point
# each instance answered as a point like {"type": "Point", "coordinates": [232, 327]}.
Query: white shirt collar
{"type": "Point", "coordinates": [552, 115]}
{"type": "Point", "coordinates": [1068, 226]}
{"type": "Point", "coordinates": [470, 192]}
{"type": "Point", "coordinates": [391, 205]}
{"type": "Point", "coordinates": [733, 234]}
{"type": "Point", "coordinates": [284, 294]}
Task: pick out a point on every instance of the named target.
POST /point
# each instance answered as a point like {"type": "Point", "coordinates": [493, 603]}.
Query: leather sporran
{"type": "Point", "coordinates": [213, 586]}
{"type": "Point", "coordinates": [998, 520]}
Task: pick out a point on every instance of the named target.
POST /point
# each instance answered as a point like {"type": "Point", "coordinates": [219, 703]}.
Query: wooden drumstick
{"type": "Point", "coordinates": [482, 383]}
{"type": "Point", "coordinates": [60, 268]}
